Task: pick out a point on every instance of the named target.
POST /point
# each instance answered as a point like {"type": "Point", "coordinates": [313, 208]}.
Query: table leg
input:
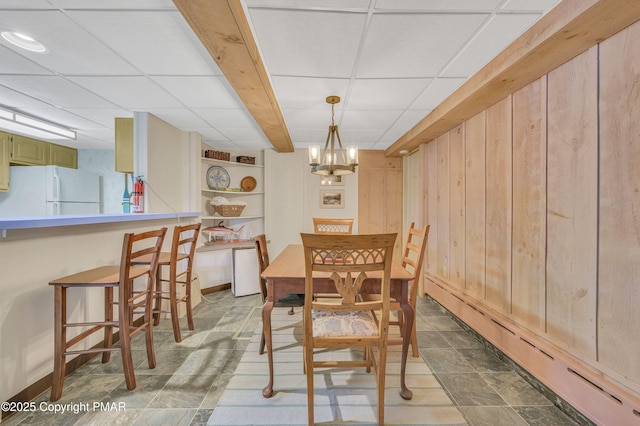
{"type": "Point", "coordinates": [409, 319]}
{"type": "Point", "coordinates": [60, 340]}
{"type": "Point", "coordinates": [267, 392]}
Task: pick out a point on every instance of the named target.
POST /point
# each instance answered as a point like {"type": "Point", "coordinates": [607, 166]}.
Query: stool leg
{"type": "Point", "coordinates": [173, 302]}
{"type": "Point", "coordinates": [60, 340]}
{"type": "Point", "coordinates": [148, 331]}
{"type": "Point", "coordinates": [188, 301]}
{"type": "Point", "coordinates": [125, 313]}
{"type": "Point", "coordinates": [108, 316]}
{"type": "Point", "coordinates": [157, 297]}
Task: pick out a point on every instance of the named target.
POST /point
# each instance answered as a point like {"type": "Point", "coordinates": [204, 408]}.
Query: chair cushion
{"type": "Point", "coordinates": [343, 323]}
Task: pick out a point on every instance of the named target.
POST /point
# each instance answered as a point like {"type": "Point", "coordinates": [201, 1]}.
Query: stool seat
{"type": "Point", "coordinates": [99, 277]}
{"type": "Point", "coordinates": [108, 277]}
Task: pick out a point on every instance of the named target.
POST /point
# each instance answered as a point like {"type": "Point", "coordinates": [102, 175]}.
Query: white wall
{"type": "Point", "coordinates": [293, 198]}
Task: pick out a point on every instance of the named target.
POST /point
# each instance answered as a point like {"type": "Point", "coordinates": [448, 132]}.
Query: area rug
{"type": "Point", "coordinates": [341, 396]}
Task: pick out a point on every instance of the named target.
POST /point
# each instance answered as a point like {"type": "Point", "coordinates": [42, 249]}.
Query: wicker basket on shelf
{"type": "Point", "coordinates": [229, 210]}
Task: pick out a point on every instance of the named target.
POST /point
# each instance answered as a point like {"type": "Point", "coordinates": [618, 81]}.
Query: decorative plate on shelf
{"type": "Point", "coordinates": [217, 177]}
{"type": "Point", "coordinates": [248, 183]}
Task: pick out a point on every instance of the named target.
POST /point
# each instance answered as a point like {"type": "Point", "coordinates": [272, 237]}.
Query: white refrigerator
{"type": "Point", "coordinates": [245, 272]}
{"type": "Point", "coordinates": [50, 191]}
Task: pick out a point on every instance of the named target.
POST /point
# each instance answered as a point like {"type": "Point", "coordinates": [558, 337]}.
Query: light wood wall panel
{"type": "Point", "coordinates": [619, 235]}
{"type": "Point", "coordinates": [498, 206]}
{"type": "Point", "coordinates": [529, 204]}
{"type": "Point", "coordinates": [443, 195]}
{"type": "Point", "coordinates": [572, 194]}
{"type": "Point", "coordinates": [457, 189]}
{"type": "Point", "coordinates": [475, 202]}
{"type": "Point", "coordinates": [431, 151]}
{"type": "Point", "coordinates": [380, 195]}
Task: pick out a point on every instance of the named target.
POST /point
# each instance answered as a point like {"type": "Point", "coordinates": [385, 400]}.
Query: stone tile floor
{"type": "Point", "coordinates": [190, 376]}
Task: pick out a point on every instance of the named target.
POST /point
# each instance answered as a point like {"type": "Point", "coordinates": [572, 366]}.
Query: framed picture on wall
{"type": "Point", "coordinates": [331, 180]}
{"type": "Point", "coordinates": [332, 199]}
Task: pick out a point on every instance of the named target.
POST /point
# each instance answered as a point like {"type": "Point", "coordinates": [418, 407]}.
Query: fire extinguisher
{"type": "Point", "coordinates": [137, 199]}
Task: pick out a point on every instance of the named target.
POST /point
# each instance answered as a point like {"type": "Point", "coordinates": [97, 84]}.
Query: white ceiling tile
{"type": "Point", "coordinates": [300, 43]}
{"type": "Point", "coordinates": [21, 4]}
{"type": "Point", "coordinates": [199, 92]}
{"type": "Point", "coordinates": [304, 92]}
{"type": "Point", "coordinates": [435, 5]}
{"type": "Point", "coordinates": [528, 5]}
{"type": "Point", "coordinates": [134, 93]}
{"type": "Point", "coordinates": [363, 138]}
{"type": "Point", "coordinates": [219, 118]}
{"type": "Point", "coordinates": [62, 117]}
{"type": "Point", "coordinates": [436, 92]}
{"type": "Point", "coordinates": [308, 136]}
{"type": "Point", "coordinates": [114, 4]}
{"type": "Point", "coordinates": [181, 118]}
{"type": "Point", "coordinates": [17, 100]}
{"type": "Point", "coordinates": [154, 42]}
{"type": "Point", "coordinates": [351, 5]}
{"type": "Point", "coordinates": [386, 140]}
{"type": "Point", "coordinates": [308, 118]}
{"type": "Point", "coordinates": [54, 91]}
{"type": "Point", "coordinates": [12, 62]}
{"type": "Point", "coordinates": [103, 117]}
{"type": "Point", "coordinates": [70, 48]}
{"type": "Point", "coordinates": [414, 45]}
{"type": "Point", "coordinates": [243, 134]}
{"type": "Point", "coordinates": [409, 119]}
{"type": "Point", "coordinates": [385, 94]}
{"type": "Point", "coordinates": [363, 120]}
{"type": "Point", "coordinates": [499, 32]}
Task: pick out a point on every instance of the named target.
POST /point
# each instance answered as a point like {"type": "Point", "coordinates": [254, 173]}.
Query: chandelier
{"type": "Point", "coordinates": [333, 161]}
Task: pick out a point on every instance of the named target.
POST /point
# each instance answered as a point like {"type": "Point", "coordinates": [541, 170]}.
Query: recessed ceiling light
{"type": "Point", "coordinates": [23, 41]}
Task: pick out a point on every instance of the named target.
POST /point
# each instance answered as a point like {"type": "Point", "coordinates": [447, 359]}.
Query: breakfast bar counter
{"type": "Point", "coordinates": [27, 222]}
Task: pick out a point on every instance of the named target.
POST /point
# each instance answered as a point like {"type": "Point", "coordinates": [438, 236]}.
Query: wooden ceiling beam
{"type": "Point", "coordinates": [572, 27]}
{"type": "Point", "coordinates": [223, 29]}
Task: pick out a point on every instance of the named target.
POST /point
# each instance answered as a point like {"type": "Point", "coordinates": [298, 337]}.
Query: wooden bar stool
{"type": "Point", "coordinates": [183, 248]}
{"type": "Point", "coordinates": [110, 277]}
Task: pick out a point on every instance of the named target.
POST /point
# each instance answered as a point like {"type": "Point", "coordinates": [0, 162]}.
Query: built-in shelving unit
{"type": "Point", "coordinates": [252, 217]}
{"type": "Point", "coordinates": [217, 262]}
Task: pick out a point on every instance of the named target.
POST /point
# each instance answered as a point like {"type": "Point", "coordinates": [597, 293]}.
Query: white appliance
{"type": "Point", "coordinates": [245, 272]}
{"type": "Point", "coordinates": [50, 191]}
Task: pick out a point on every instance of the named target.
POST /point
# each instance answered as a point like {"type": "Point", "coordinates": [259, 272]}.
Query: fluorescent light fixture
{"type": "Point", "coordinates": [31, 126]}
{"type": "Point", "coordinates": [23, 41]}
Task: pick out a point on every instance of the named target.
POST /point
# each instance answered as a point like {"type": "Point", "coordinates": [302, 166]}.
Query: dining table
{"type": "Point", "coordinates": [286, 275]}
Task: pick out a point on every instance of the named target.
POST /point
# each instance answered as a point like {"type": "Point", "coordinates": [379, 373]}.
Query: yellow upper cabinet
{"type": "Point", "coordinates": [29, 151]}
{"type": "Point", "coordinates": [124, 145]}
{"type": "Point", "coordinates": [5, 154]}
{"type": "Point", "coordinates": [63, 156]}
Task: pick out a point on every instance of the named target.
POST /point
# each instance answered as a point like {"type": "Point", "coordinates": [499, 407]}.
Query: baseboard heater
{"type": "Point", "coordinates": [587, 390]}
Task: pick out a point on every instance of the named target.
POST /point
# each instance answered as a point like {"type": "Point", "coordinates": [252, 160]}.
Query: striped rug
{"type": "Point", "coordinates": [341, 396]}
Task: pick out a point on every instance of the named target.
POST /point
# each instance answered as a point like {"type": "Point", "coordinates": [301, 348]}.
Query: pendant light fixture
{"type": "Point", "coordinates": [333, 161]}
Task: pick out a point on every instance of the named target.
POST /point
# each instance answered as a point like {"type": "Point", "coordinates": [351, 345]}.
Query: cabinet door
{"type": "Point", "coordinates": [63, 156]}
{"type": "Point", "coordinates": [124, 145]}
{"type": "Point", "coordinates": [5, 153]}
{"type": "Point", "coordinates": [29, 151]}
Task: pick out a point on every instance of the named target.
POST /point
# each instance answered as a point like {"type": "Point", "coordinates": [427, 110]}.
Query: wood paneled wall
{"type": "Point", "coordinates": [533, 206]}
{"type": "Point", "coordinates": [380, 196]}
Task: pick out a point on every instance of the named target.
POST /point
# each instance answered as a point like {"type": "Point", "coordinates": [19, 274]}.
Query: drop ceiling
{"type": "Point", "coordinates": [391, 62]}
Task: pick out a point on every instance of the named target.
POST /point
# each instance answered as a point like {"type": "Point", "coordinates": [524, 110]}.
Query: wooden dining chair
{"type": "Point", "coordinates": [348, 323]}
{"type": "Point", "coordinates": [289, 301]}
{"type": "Point", "coordinates": [110, 277]}
{"type": "Point", "coordinates": [332, 226]}
{"type": "Point", "coordinates": [412, 260]}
